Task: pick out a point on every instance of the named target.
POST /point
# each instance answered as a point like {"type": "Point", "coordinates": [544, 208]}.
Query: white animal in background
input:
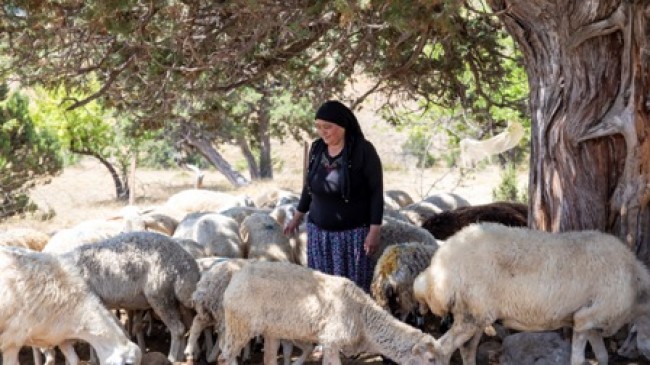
{"type": "Point", "coordinates": [536, 281]}
{"type": "Point", "coordinates": [472, 151]}
{"type": "Point", "coordinates": [46, 303]}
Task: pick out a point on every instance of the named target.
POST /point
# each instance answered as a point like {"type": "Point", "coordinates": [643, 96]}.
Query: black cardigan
{"type": "Point", "coordinates": [361, 202]}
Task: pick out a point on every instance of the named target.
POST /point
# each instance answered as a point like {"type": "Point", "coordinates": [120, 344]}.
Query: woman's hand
{"type": "Point", "coordinates": [371, 244]}
{"type": "Point", "coordinates": [291, 227]}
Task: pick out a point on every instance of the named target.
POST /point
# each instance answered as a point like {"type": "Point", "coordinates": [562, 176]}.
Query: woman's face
{"type": "Point", "coordinates": [331, 133]}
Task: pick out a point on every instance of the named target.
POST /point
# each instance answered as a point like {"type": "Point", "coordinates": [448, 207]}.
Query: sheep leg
{"type": "Point", "coordinates": [598, 346]}
{"type": "Point", "coordinates": [10, 356]}
{"type": "Point", "coordinates": [459, 333]}
{"type": "Point", "coordinates": [271, 346]}
{"type": "Point", "coordinates": [208, 342]}
{"type": "Point", "coordinates": [137, 328]}
{"type": "Point", "coordinates": [214, 353]}
{"type": "Point", "coordinates": [199, 323]}
{"type": "Point", "coordinates": [167, 309]}
{"type": "Point", "coordinates": [306, 351]}
{"type": "Point", "coordinates": [468, 349]}
{"type": "Point", "coordinates": [287, 350]}
{"type": "Point", "coordinates": [331, 356]}
{"type": "Point", "coordinates": [50, 355]}
{"type": "Point", "coordinates": [36, 353]}
{"type": "Point", "coordinates": [70, 354]}
{"type": "Point", "coordinates": [578, 345]}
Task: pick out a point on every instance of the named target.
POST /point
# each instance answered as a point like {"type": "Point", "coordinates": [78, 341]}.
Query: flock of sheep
{"type": "Point", "coordinates": [209, 263]}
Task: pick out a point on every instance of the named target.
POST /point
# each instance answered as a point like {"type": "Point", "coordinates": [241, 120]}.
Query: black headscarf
{"type": "Point", "coordinates": [335, 112]}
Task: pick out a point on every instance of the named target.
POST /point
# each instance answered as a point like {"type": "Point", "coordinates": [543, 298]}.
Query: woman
{"type": "Point", "coordinates": [343, 194]}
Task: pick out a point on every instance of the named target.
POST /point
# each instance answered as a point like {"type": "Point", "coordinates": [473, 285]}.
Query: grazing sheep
{"type": "Point", "coordinates": [273, 198]}
{"type": "Point", "coordinates": [395, 272]}
{"type": "Point", "coordinates": [207, 302]}
{"type": "Point", "coordinates": [138, 271]}
{"type": "Point", "coordinates": [420, 211]}
{"type": "Point", "coordinates": [443, 225]}
{"type": "Point", "coordinates": [400, 197]}
{"type": "Point", "coordinates": [46, 303]}
{"type": "Point", "coordinates": [83, 233]}
{"type": "Point", "coordinates": [263, 239]}
{"type": "Point", "coordinates": [218, 234]}
{"type": "Point", "coordinates": [317, 308]}
{"type": "Point", "coordinates": [199, 200]}
{"type": "Point", "coordinates": [535, 281]}
{"type": "Point", "coordinates": [240, 213]}
{"type": "Point", "coordinates": [394, 231]}
{"type": "Point", "coordinates": [24, 237]}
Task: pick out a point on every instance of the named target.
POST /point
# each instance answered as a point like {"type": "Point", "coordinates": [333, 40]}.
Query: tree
{"type": "Point", "coordinates": [91, 131]}
{"type": "Point", "coordinates": [27, 154]}
{"type": "Point", "coordinates": [587, 66]}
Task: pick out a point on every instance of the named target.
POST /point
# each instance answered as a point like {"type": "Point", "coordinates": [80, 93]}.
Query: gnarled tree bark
{"type": "Point", "coordinates": [587, 65]}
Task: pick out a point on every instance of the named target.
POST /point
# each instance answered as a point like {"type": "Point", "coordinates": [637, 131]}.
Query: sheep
{"type": "Point", "coordinates": [443, 225]}
{"type": "Point", "coordinates": [218, 234]}
{"type": "Point", "coordinates": [83, 233]}
{"type": "Point", "coordinates": [46, 303]}
{"type": "Point", "coordinates": [240, 213]}
{"type": "Point", "coordinates": [318, 308]}
{"type": "Point", "coordinates": [535, 281]}
{"type": "Point", "coordinates": [395, 272]}
{"type": "Point", "coordinates": [141, 270]}
{"type": "Point", "coordinates": [263, 239]}
{"type": "Point", "coordinates": [400, 197]}
{"type": "Point", "coordinates": [24, 237]}
{"type": "Point", "coordinates": [394, 231]}
{"type": "Point", "coordinates": [275, 197]}
{"type": "Point", "coordinates": [199, 200]}
{"type": "Point", "coordinates": [420, 211]}
{"type": "Point", "coordinates": [298, 239]}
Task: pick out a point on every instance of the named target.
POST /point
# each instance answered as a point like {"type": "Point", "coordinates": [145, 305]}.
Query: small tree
{"type": "Point", "coordinates": [27, 154]}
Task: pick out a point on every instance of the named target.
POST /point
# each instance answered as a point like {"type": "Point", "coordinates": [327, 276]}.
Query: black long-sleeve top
{"type": "Point", "coordinates": [328, 207]}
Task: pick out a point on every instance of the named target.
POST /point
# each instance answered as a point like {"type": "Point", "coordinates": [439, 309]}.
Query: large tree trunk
{"type": "Point", "coordinates": [587, 64]}
{"type": "Point", "coordinates": [253, 169]}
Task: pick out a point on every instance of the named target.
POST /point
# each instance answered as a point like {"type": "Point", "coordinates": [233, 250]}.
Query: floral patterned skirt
{"type": "Point", "coordinates": [340, 253]}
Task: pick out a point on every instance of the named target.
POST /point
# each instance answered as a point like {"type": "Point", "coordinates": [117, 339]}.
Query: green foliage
{"type": "Point", "coordinates": [27, 154]}
{"type": "Point", "coordinates": [417, 145]}
{"type": "Point", "coordinates": [507, 189]}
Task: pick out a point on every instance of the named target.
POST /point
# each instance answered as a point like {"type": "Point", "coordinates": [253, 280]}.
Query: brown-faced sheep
{"type": "Point", "coordinates": [443, 225]}
{"type": "Point", "coordinates": [24, 237]}
{"type": "Point", "coordinates": [318, 308]}
{"type": "Point", "coordinates": [536, 281]}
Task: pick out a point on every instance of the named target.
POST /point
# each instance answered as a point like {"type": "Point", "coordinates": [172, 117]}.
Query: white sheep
{"type": "Point", "coordinates": [263, 239]}
{"type": "Point", "coordinates": [535, 281]}
{"type": "Point", "coordinates": [240, 213]}
{"type": "Point", "coordinates": [218, 234]}
{"type": "Point", "coordinates": [24, 237]}
{"type": "Point", "coordinates": [275, 197]}
{"type": "Point", "coordinates": [282, 300]}
{"type": "Point", "coordinates": [142, 270]}
{"type": "Point", "coordinates": [46, 303]}
{"type": "Point", "coordinates": [419, 212]}
{"type": "Point", "coordinates": [200, 200]}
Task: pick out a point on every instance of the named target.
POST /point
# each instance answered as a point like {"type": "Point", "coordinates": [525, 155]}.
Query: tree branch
{"type": "Point", "coordinates": [614, 23]}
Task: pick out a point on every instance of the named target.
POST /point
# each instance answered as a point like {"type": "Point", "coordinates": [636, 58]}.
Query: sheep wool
{"type": "Point", "coordinates": [536, 281]}
{"type": "Point", "coordinates": [316, 307]}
